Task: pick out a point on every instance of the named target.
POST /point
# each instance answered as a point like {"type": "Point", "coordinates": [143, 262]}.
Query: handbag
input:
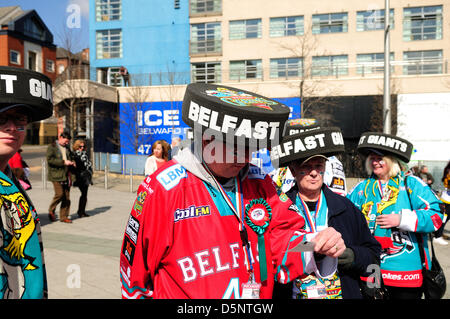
{"type": "Point", "coordinates": [434, 283]}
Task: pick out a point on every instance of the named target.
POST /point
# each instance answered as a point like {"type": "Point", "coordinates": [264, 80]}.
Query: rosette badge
{"type": "Point", "coordinates": [234, 115]}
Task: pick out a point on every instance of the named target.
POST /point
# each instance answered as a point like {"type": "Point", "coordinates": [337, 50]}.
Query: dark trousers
{"type": "Point", "coordinates": [62, 195]}
{"type": "Point", "coordinates": [404, 293]}
{"type": "Point", "coordinates": [83, 199]}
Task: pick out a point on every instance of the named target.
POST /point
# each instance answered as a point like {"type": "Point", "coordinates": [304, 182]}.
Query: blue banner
{"type": "Point", "coordinates": [143, 123]}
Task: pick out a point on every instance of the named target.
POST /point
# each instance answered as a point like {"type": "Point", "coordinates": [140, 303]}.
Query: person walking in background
{"type": "Point", "coordinates": [159, 156]}
{"type": "Point", "coordinates": [398, 220]}
{"type": "Point", "coordinates": [60, 168]}
{"type": "Point", "coordinates": [20, 169]}
{"type": "Point", "coordinates": [425, 175]}
{"type": "Point", "coordinates": [83, 172]}
{"type": "Point", "coordinates": [445, 198]}
{"type": "Point", "coordinates": [22, 266]}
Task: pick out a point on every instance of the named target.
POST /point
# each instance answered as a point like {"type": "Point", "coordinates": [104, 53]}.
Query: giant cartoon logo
{"type": "Point", "coordinates": [240, 98]}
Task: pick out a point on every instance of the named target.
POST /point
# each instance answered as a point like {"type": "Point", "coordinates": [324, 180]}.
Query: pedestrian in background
{"type": "Point", "coordinates": [425, 175]}
{"type": "Point", "coordinates": [398, 220]}
{"type": "Point", "coordinates": [60, 172]}
{"type": "Point", "coordinates": [83, 172]}
{"type": "Point", "coordinates": [22, 266]}
{"type": "Point", "coordinates": [123, 71]}
{"type": "Point", "coordinates": [159, 156]}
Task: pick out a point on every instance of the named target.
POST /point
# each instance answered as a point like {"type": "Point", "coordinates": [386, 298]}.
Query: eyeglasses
{"type": "Point", "coordinates": [18, 120]}
{"type": "Point", "coordinates": [81, 146]}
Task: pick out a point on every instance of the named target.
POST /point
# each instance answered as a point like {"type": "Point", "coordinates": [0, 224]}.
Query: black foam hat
{"type": "Point", "coordinates": [231, 113]}
{"type": "Point", "coordinates": [302, 146]}
{"type": "Point", "coordinates": [300, 125]}
{"type": "Point", "coordinates": [27, 89]}
{"type": "Point", "coordinates": [382, 143]}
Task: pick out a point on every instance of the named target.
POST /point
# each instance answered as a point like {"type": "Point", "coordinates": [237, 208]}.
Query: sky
{"type": "Point", "coordinates": [66, 19]}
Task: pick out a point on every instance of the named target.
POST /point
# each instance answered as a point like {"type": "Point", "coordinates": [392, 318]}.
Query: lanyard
{"type": "Point", "coordinates": [311, 219]}
{"type": "Point", "coordinates": [238, 211]}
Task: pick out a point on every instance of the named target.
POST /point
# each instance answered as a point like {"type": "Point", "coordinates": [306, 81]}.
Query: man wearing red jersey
{"type": "Point", "coordinates": [208, 224]}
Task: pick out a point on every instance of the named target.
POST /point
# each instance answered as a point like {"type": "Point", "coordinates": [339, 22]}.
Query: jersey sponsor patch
{"type": "Point", "coordinates": [191, 212]}
{"type": "Point", "coordinates": [128, 250]}
{"type": "Point", "coordinates": [170, 177]}
{"type": "Point", "coordinates": [132, 229]}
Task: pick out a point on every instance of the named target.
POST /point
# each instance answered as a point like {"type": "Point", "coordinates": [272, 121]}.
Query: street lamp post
{"type": "Point", "coordinates": [387, 69]}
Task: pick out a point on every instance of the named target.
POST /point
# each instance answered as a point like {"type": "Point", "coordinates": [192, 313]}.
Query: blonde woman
{"type": "Point", "coordinates": [396, 220]}
{"type": "Point", "coordinates": [159, 156]}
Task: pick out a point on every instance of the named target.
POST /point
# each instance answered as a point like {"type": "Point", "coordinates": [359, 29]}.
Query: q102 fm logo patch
{"type": "Point", "coordinates": [240, 98]}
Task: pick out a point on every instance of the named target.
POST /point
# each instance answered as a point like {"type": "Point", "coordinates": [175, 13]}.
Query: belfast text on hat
{"type": "Point", "coordinates": [306, 143]}
{"type": "Point", "coordinates": [208, 118]}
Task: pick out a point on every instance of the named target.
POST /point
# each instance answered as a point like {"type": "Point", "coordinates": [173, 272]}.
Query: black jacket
{"type": "Point", "coordinates": [348, 220]}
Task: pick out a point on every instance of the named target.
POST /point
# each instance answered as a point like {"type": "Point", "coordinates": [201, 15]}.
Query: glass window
{"type": "Point", "coordinates": [371, 63]}
{"type": "Point", "coordinates": [286, 26]}
{"type": "Point", "coordinates": [286, 67]}
{"type": "Point", "coordinates": [373, 20]}
{"type": "Point", "coordinates": [422, 23]}
{"type": "Point", "coordinates": [109, 44]}
{"type": "Point", "coordinates": [208, 72]}
{"type": "Point", "coordinates": [330, 65]}
{"type": "Point", "coordinates": [329, 23]}
{"type": "Point", "coordinates": [106, 10]}
{"type": "Point", "coordinates": [50, 66]}
{"type": "Point", "coordinates": [206, 37]}
{"type": "Point", "coordinates": [247, 69]}
{"type": "Point", "coordinates": [201, 6]}
{"type": "Point", "coordinates": [422, 62]}
{"type": "Point", "coordinates": [14, 57]}
{"type": "Point", "coordinates": [245, 29]}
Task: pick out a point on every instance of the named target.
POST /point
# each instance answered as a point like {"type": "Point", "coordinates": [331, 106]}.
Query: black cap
{"type": "Point", "coordinates": [302, 146]}
{"type": "Point", "coordinates": [381, 143]}
{"type": "Point", "coordinates": [234, 114]}
{"type": "Point", "coordinates": [28, 89]}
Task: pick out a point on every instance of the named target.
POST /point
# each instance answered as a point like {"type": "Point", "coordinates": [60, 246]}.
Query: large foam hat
{"type": "Point", "coordinates": [27, 89]}
{"type": "Point", "coordinates": [385, 144]}
{"type": "Point", "coordinates": [294, 126]}
{"type": "Point", "coordinates": [303, 146]}
{"type": "Point", "coordinates": [234, 115]}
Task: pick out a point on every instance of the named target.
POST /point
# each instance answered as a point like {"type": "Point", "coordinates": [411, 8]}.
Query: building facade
{"type": "Point", "coordinates": [26, 42]}
{"type": "Point", "coordinates": [326, 55]}
{"type": "Point", "coordinates": [148, 37]}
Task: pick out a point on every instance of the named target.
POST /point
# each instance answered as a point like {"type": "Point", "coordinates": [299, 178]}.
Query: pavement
{"type": "Point", "coordinates": [82, 258]}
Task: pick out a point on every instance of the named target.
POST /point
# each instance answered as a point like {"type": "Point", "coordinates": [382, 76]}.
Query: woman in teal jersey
{"type": "Point", "coordinates": [396, 220]}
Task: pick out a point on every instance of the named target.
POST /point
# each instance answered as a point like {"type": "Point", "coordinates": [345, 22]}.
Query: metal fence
{"type": "Point", "coordinates": [120, 163]}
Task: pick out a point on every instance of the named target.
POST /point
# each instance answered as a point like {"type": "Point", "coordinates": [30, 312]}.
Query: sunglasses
{"type": "Point", "coordinates": [18, 120]}
{"type": "Point", "coordinates": [81, 146]}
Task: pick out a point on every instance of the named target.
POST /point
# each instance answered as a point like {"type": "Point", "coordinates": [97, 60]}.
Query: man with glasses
{"type": "Point", "coordinates": [306, 154]}
{"type": "Point", "coordinates": [25, 96]}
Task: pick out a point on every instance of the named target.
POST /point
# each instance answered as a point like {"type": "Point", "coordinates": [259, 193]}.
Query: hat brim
{"type": "Point", "coordinates": [386, 144]}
